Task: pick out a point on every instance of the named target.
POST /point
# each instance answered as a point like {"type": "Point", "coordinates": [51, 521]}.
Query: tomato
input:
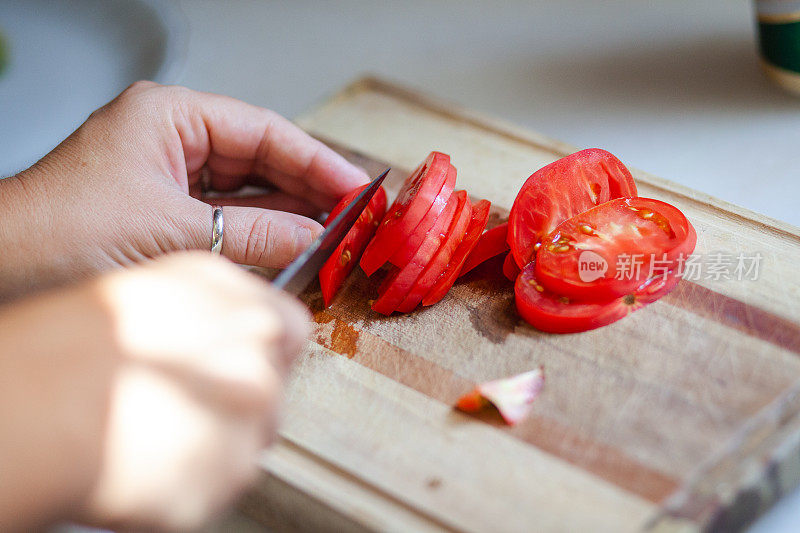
{"type": "Point", "coordinates": [416, 197]}
{"type": "Point", "coordinates": [611, 249]}
{"type": "Point", "coordinates": [510, 268]}
{"type": "Point", "coordinates": [553, 313]}
{"type": "Point", "coordinates": [401, 282]}
{"type": "Point", "coordinates": [341, 263]}
{"type": "Point", "coordinates": [404, 251]}
{"type": "Point", "coordinates": [561, 190]}
{"type": "Point", "coordinates": [437, 265]}
{"type": "Point", "coordinates": [493, 242]}
{"type": "Point", "coordinates": [480, 215]}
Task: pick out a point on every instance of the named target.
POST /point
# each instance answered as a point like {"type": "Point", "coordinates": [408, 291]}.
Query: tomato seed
{"type": "Point", "coordinates": [345, 257]}
{"type": "Point", "coordinates": [532, 283]}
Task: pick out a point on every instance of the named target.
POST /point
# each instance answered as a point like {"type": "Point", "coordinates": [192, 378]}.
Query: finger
{"type": "Point", "coordinates": [297, 326]}
{"type": "Point", "coordinates": [275, 201]}
{"type": "Point", "coordinates": [265, 238]}
{"type": "Point", "coordinates": [237, 138]}
{"type": "Point", "coordinates": [271, 179]}
{"type": "Point", "coordinates": [227, 182]}
{"type": "Point", "coordinates": [295, 187]}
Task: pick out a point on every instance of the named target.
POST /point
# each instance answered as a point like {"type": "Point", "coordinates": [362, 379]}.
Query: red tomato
{"type": "Point", "coordinates": [341, 263]}
{"type": "Point", "coordinates": [437, 265]}
{"type": "Point", "coordinates": [480, 215]}
{"type": "Point", "coordinates": [413, 202]}
{"type": "Point", "coordinates": [547, 311]}
{"type": "Point", "coordinates": [510, 268]}
{"type": "Point", "coordinates": [403, 280]}
{"type": "Point", "coordinates": [561, 190]}
{"type": "Point", "coordinates": [404, 251]}
{"type": "Point", "coordinates": [493, 242]}
{"type": "Point", "coordinates": [611, 249]}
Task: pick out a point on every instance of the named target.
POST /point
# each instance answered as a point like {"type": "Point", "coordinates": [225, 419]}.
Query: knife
{"type": "Point", "coordinates": [296, 277]}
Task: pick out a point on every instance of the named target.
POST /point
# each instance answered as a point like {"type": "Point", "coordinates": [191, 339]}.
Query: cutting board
{"type": "Point", "coordinates": [685, 415]}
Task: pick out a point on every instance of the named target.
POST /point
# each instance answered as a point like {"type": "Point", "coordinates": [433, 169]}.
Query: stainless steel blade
{"type": "Point", "coordinates": [296, 277]}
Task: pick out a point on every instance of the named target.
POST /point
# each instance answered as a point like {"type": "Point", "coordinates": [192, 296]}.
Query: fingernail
{"type": "Point", "coordinates": [347, 167]}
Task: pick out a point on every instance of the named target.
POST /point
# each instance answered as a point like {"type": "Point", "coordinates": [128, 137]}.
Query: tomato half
{"type": "Point", "coordinates": [403, 280]}
{"type": "Point", "coordinates": [341, 263]}
{"type": "Point", "coordinates": [611, 249]}
{"type": "Point", "coordinates": [510, 268]}
{"type": "Point", "coordinates": [493, 242]}
{"type": "Point", "coordinates": [437, 265]}
{"type": "Point", "coordinates": [480, 215]}
{"type": "Point", "coordinates": [415, 199]}
{"type": "Point", "coordinates": [547, 311]}
{"type": "Point", "coordinates": [561, 190]}
{"type": "Point", "coordinates": [404, 251]}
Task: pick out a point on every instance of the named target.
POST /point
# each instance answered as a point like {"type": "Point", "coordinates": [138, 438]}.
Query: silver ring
{"type": "Point", "coordinates": [217, 229]}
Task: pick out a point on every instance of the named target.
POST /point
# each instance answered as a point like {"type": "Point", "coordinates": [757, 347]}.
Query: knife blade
{"type": "Point", "coordinates": [296, 277]}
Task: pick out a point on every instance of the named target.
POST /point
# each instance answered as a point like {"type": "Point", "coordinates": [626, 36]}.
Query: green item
{"type": "Point", "coordinates": [780, 44]}
{"type": "Point", "coordinates": [3, 54]}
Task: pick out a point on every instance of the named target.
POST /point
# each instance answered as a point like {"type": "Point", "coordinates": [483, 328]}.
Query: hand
{"type": "Point", "coordinates": [155, 389]}
{"type": "Point", "coordinates": [118, 189]}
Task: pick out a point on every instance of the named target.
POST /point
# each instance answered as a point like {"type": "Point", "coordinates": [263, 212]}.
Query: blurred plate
{"type": "Point", "coordinates": [69, 57]}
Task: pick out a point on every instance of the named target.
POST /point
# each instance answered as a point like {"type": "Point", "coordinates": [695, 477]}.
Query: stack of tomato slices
{"type": "Point", "coordinates": [424, 238]}
{"type": "Point", "coordinates": [582, 248]}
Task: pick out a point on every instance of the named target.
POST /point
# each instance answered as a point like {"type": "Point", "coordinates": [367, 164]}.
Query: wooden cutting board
{"type": "Point", "coordinates": [684, 415]}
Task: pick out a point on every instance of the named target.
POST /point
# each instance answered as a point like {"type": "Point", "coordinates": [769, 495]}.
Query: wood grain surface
{"type": "Point", "coordinates": [683, 416]}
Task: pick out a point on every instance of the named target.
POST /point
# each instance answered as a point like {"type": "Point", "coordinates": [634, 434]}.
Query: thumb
{"type": "Point", "coordinates": [263, 237]}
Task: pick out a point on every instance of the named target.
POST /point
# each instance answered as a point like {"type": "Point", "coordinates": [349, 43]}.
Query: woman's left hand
{"type": "Point", "coordinates": [126, 186]}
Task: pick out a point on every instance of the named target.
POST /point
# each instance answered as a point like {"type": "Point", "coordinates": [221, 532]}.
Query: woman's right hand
{"type": "Point", "coordinates": [141, 399]}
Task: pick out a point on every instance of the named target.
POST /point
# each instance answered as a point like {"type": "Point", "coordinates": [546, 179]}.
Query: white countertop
{"type": "Point", "coordinates": [673, 88]}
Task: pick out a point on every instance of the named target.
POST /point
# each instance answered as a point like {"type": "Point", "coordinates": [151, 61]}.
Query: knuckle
{"type": "Point", "coordinates": [138, 91]}
{"type": "Point", "coordinates": [140, 85]}
{"type": "Point", "coordinates": [178, 92]}
{"type": "Point", "coordinates": [151, 95]}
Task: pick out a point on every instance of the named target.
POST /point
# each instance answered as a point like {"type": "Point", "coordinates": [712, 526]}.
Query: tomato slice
{"type": "Point", "coordinates": [413, 202]}
{"type": "Point", "coordinates": [550, 312]}
{"type": "Point", "coordinates": [480, 215]}
{"type": "Point", "coordinates": [611, 249]}
{"type": "Point", "coordinates": [403, 280]}
{"type": "Point", "coordinates": [404, 251]}
{"type": "Point", "coordinates": [341, 263]}
{"type": "Point", "coordinates": [510, 268]}
{"type": "Point", "coordinates": [561, 190]}
{"type": "Point", "coordinates": [493, 242]}
{"type": "Point", "coordinates": [437, 265]}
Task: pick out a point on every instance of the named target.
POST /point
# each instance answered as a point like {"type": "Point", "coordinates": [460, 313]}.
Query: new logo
{"type": "Point", "coordinates": [591, 266]}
